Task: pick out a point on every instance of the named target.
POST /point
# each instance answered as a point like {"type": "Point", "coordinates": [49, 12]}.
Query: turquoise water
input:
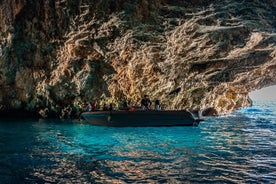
{"type": "Point", "coordinates": [238, 148]}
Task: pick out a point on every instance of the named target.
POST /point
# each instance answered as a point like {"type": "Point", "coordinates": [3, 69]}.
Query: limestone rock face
{"type": "Point", "coordinates": [197, 54]}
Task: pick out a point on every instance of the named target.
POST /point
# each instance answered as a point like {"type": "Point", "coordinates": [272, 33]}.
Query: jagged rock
{"type": "Point", "coordinates": [57, 53]}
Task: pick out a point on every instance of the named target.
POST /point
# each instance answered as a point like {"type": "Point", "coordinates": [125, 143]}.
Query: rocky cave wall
{"type": "Point", "coordinates": [197, 54]}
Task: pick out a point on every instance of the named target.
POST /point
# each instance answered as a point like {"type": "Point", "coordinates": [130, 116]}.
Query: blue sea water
{"type": "Point", "coordinates": [238, 148]}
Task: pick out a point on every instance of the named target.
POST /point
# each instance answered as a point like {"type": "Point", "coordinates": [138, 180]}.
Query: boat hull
{"type": "Point", "coordinates": [141, 118]}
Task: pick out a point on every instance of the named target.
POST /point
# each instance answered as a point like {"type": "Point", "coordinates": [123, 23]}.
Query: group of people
{"type": "Point", "coordinates": [145, 105]}
{"type": "Point", "coordinates": [93, 107]}
{"type": "Point", "coordinates": [90, 107]}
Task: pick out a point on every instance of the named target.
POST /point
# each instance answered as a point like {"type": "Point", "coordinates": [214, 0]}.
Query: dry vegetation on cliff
{"type": "Point", "coordinates": [59, 53]}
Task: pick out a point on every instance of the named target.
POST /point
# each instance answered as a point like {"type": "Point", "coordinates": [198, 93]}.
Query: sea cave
{"type": "Point", "coordinates": [193, 55]}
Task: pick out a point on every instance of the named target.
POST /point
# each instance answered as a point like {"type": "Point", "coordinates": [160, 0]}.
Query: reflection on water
{"type": "Point", "coordinates": [239, 148]}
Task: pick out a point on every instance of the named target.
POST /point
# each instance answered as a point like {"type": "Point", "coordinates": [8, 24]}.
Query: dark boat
{"type": "Point", "coordinates": [141, 118]}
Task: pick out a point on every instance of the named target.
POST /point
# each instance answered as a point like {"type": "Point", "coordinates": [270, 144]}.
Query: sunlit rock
{"type": "Point", "coordinates": [59, 53]}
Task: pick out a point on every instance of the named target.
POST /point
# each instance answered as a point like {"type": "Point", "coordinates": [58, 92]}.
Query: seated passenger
{"type": "Point", "coordinates": [111, 107]}
{"type": "Point", "coordinates": [105, 107]}
{"type": "Point", "coordinates": [94, 106]}
{"type": "Point", "coordinates": [157, 105]}
{"type": "Point", "coordinates": [88, 107]}
{"type": "Point", "coordinates": [146, 103]}
{"type": "Point", "coordinates": [125, 106]}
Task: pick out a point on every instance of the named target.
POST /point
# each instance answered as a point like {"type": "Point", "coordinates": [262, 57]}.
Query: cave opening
{"type": "Point", "coordinates": [264, 94]}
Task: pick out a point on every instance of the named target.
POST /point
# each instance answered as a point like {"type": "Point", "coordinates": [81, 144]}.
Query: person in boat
{"type": "Point", "coordinates": [94, 106]}
{"type": "Point", "coordinates": [105, 107]}
{"type": "Point", "coordinates": [124, 106]}
{"type": "Point", "coordinates": [146, 103]}
{"type": "Point", "coordinates": [111, 107]}
{"type": "Point", "coordinates": [88, 107]}
{"type": "Point", "coordinates": [157, 105]}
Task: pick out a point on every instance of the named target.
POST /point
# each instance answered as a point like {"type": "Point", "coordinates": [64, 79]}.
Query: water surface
{"type": "Point", "coordinates": [239, 148]}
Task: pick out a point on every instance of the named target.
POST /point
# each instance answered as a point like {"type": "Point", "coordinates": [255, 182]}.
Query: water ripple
{"type": "Point", "coordinates": [239, 148]}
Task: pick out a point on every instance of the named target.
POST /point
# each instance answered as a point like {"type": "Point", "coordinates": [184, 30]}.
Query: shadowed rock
{"type": "Point", "coordinates": [175, 92]}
